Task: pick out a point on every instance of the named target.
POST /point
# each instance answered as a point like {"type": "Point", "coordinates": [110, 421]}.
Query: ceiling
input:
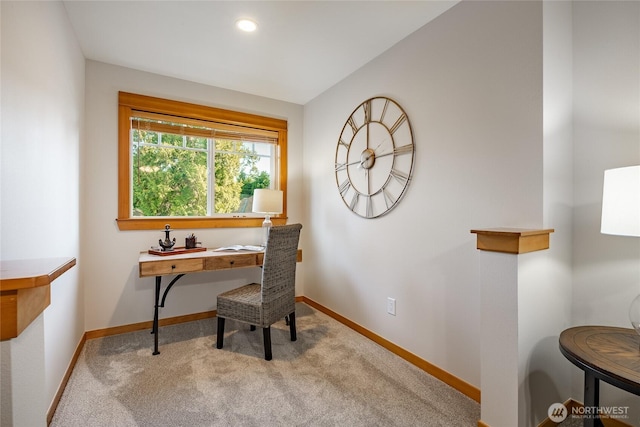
{"type": "Point", "coordinates": [300, 49]}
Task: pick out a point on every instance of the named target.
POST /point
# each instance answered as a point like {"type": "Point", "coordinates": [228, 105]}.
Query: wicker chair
{"type": "Point", "coordinates": [264, 304]}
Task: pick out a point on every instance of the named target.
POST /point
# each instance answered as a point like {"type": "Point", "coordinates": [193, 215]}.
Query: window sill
{"type": "Point", "coordinates": [190, 223]}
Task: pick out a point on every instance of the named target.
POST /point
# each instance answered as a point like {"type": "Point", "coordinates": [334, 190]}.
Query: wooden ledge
{"type": "Point", "coordinates": [25, 291]}
{"type": "Point", "coordinates": [512, 240]}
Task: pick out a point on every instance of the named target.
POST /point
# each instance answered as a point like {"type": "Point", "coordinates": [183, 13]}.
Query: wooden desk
{"type": "Point", "coordinates": [25, 291]}
{"type": "Point", "coordinates": [179, 265]}
{"type": "Point", "coordinates": [604, 353]}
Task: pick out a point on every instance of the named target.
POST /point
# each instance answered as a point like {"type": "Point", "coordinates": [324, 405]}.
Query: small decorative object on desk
{"type": "Point", "coordinates": [167, 247]}
{"type": "Point", "coordinates": [190, 241]}
{"type": "Point", "coordinates": [168, 244]}
{"type": "Point", "coordinates": [634, 315]}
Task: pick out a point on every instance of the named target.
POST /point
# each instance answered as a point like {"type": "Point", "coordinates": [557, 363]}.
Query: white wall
{"type": "Point", "coordinates": [545, 278]}
{"type": "Point", "coordinates": [114, 292]}
{"type": "Point", "coordinates": [42, 117]}
{"type": "Point", "coordinates": [471, 84]}
{"type": "Point", "coordinates": [606, 81]}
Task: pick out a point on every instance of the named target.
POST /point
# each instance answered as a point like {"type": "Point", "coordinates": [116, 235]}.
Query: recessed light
{"type": "Point", "coordinates": [246, 25]}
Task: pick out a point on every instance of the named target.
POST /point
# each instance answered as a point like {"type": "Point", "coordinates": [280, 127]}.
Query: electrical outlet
{"type": "Point", "coordinates": [391, 306]}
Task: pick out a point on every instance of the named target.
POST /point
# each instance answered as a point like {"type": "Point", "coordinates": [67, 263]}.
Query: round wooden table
{"type": "Point", "coordinates": [604, 353]}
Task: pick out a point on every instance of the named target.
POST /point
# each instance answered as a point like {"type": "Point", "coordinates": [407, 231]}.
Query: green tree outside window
{"type": "Point", "coordinates": [170, 175]}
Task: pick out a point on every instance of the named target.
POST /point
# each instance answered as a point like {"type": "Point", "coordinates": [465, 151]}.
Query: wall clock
{"type": "Point", "coordinates": [374, 157]}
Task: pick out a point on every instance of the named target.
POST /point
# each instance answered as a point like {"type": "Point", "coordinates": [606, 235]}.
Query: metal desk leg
{"type": "Point", "coordinates": [591, 399]}
{"type": "Point", "coordinates": [157, 305]}
{"type": "Point", "coordinates": [154, 329]}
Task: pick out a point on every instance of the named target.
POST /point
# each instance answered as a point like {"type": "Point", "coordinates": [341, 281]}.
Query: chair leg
{"type": "Point", "coordinates": [292, 326]}
{"type": "Point", "coordinates": [220, 332]}
{"type": "Point", "coordinates": [252, 327]}
{"type": "Point", "coordinates": [266, 332]}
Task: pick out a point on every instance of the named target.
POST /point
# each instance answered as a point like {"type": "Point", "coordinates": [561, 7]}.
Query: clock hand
{"type": "Point", "coordinates": [381, 142]}
{"type": "Point", "coordinates": [340, 166]}
{"type": "Point", "coordinates": [399, 150]}
{"type": "Point", "coordinates": [366, 176]}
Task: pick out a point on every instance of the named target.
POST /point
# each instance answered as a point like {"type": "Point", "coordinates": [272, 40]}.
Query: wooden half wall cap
{"type": "Point", "coordinates": [25, 291]}
{"type": "Point", "coordinates": [512, 240]}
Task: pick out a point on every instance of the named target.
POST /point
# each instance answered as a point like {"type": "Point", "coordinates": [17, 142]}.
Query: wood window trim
{"type": "Point", "coordinates": [129, 102]}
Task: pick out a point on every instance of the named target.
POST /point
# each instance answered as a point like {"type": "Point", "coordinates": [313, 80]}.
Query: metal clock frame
{"type": "Point", "coordinates": [361, 117]}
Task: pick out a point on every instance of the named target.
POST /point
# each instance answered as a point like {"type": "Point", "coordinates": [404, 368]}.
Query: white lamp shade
{"type": "Point", "coordinates": [267, 201]}
{"type": "Point", "coordinates": [621, 202]}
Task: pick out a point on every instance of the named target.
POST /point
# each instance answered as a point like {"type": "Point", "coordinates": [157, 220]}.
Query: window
{"type": "Point", "coordinates": [194, 166]}
{"type": "Point", "coordinates": [183, 170]}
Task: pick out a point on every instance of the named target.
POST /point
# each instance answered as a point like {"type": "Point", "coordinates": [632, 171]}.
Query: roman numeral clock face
{"type": "Point", "coordinates": [374, 157]}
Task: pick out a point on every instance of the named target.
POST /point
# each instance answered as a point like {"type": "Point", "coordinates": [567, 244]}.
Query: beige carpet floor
{"type": "Point", "coordinates": [331, 376]}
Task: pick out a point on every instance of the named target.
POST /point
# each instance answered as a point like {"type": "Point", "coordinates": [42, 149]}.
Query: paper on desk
{"type": "Point", "coordinates": [240, 248]}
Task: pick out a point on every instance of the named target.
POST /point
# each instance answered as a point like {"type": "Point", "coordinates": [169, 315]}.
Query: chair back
{"type": "Point", "coordinates": [279, 269]}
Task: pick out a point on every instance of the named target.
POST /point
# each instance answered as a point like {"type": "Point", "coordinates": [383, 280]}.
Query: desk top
{"type": "Point", "coordinates": [147, 257]}
{"type": "Point", "coordinates": [612, 354]}
{"type": "Point", "coordinates": [193, 262]}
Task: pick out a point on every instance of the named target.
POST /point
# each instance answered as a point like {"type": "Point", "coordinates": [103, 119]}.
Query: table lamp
{"type": "Point", "coordinates": [621, 214]}
{"type": "Point", "coordinates": [268, 202]}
